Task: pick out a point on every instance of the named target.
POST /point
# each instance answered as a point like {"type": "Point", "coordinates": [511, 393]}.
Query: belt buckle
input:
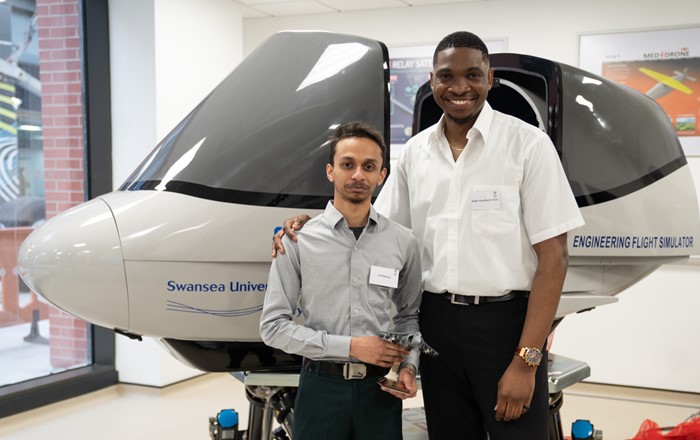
{"type": "Point", "coordinates": [453, 300]}
{"type": "Point", "coordinates": [353, 371]}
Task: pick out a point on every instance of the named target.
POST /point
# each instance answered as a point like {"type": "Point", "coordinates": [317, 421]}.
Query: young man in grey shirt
{"type": "Point", "coordinates": [347, 268]}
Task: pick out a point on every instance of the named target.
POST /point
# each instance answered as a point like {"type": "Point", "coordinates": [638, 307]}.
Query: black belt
{"type": "Point", "coordinates": [346, 370]}
{"type": "Point", "coordinates": [467, 300]}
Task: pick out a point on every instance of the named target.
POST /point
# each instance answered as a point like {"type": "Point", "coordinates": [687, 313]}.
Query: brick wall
{"type": "Point", "coordinates": [58, 30]}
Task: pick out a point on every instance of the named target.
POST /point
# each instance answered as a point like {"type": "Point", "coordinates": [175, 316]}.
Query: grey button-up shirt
{"type": "Point", "coordinates": [342, 286]}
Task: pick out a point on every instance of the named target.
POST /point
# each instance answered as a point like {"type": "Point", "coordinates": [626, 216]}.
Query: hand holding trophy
{"type": "Point", "coordinates": [411, 341]}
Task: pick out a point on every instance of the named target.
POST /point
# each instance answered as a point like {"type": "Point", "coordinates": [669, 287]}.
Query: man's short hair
{"type": "Point", "coordinates": [358, 129]}
{"type": "Point", "coordinates": [461, 39]}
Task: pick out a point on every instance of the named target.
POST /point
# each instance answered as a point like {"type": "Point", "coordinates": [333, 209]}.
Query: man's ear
{"type": "Point", "coordinates": [329, 172]}
{"type": "Point", "coordinates": [382, 176]}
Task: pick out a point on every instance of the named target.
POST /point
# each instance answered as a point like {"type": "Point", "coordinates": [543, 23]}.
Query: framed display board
{"type": "Point", "coordinates": [662, 63]}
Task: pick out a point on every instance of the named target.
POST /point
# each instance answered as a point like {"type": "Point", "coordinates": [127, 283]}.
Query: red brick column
{"type": "Point", "coordinates": [58, 29]}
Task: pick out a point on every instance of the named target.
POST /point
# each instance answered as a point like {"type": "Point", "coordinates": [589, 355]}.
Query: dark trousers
{"type": "Point", "coordinates": [476, 344]}
{"type": "Point", "coordinates": [332, 408]}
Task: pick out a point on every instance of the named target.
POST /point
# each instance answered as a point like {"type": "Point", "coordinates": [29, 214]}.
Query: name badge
{"type": "Point", "coordinates": [384, 276]}
{"type": "Point", "coordinates": [483, 200]}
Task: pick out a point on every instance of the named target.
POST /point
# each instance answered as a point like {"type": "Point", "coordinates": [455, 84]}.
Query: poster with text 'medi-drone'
{"type": "Point", "coordinates": [663, 64]}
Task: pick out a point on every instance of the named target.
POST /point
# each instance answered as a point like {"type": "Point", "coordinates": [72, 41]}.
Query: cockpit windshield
{"type": "Point", "coordinates": [261, 136]}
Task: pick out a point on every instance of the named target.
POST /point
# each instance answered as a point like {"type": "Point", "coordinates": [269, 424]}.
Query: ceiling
{"type": "Point", "coordinates": [279, 8]}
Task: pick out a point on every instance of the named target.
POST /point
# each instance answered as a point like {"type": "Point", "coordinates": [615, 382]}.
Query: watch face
{"type": "Point", "coordinates": [533, 356]}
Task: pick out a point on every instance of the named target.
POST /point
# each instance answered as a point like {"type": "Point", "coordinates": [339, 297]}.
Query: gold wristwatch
{"type": "Point", "coordinates": [531, 356]}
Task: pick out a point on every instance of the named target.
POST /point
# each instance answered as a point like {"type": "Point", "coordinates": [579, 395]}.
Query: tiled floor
{"type": "Point", "coordinates": [181, 411]}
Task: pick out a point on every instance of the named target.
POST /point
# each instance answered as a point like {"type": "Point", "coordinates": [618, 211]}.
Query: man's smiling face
{"type": "Point", "coordinates": [461, 80]}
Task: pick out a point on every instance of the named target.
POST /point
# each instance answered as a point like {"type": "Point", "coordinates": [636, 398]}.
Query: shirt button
{"type": "Point", "coordinates": [356, 249]}
{"type": "Point", "coordinates": [356, 310]}
{"type": "Point", "coordinates": [356, 279]}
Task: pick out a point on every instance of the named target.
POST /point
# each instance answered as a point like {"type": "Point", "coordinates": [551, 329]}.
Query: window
{"type": "Point", "coordinates": [44, 171]}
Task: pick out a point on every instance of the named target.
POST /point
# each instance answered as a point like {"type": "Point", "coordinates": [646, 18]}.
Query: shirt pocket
{"type": "Point", "coordinates": [494, 209]}
{"type": "Point", "coordinates": [379, 299]}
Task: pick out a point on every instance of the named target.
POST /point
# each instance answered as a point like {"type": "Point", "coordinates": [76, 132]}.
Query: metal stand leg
{"type": "Point", "coordinates": [556, 400]}
{"type": "Point", "coordinates": [267, 423]}
{"type": "Point", "coordinates": [255, 417]}
{"type": "Point", "coordinates": [267, 405]}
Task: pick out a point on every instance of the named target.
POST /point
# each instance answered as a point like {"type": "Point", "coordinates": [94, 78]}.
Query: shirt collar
{"type": "Point", "coordinates": [482, 124]}
{"type": "Point", "coordinates": [333, 216]}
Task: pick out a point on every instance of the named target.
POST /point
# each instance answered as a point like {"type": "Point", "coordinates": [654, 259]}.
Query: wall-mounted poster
{"type": "Point", "coordinates": [409, 69]}
{"type": "Point", "coordinates": [664, 64]}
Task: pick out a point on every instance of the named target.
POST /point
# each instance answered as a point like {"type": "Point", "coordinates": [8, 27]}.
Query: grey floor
{"type": "Point", "coordinates": [182, 411]}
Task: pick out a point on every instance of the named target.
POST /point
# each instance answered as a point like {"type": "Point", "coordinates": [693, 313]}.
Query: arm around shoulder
{"type": "Point", "coordinates": [281, 296]}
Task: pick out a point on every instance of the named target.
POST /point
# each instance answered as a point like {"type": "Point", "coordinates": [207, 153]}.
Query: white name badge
{"type": "Point", "coordinates": [384, 276]}
{"type": "Point", "coordinates": [482, 200]}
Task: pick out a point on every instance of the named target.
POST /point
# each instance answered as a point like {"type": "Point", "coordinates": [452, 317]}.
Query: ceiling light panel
{"type": "Point", "coordinates": [247, 12]}
{"type": "Point", "coordinates": [267, 2]}
{"type": "Point", "coordinates": [292, 8]}
{"type": "Point", "coordinates": [360, 5]}
{"type": "Point", "coordinates": [437, 2]}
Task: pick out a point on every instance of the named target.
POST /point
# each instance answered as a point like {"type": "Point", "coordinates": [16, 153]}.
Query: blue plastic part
{"type": "Point", "coordinates": [227, 418]}
{"type": "Point", "coordinates": [581, 429]}
{"type": "Point", "coordinates": [277, 229]}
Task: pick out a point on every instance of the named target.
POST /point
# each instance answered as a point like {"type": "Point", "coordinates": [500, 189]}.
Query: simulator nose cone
{"type": "Point", "coordinates": [75, 262]}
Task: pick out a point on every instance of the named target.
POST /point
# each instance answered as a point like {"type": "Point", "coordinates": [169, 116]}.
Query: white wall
{"type": "Point", "coordinates": [198, 43]}
{"type": "Point", "coordinates": [166, 56]}
{"type": "Point", "coordinates": [648, 338]}
{"type": "Point", "coordinates": [133, 75]}
{"type": "Point", "coordinates": [544, 28]}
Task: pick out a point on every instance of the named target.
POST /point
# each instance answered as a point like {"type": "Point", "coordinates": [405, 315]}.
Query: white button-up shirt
{"type": "Point", "coordinates": [477, 218]}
